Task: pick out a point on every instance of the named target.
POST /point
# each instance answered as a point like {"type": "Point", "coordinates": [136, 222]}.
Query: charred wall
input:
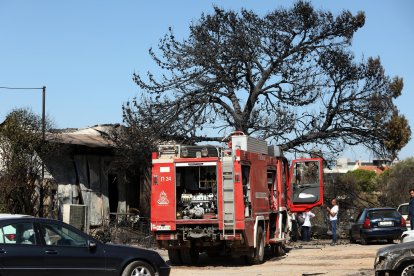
{"type": "Point", "coordinates": [87, 176]}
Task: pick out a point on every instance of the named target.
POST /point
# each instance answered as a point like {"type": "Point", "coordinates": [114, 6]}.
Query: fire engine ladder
{"type": "Point", "coordinates": [229, 223]}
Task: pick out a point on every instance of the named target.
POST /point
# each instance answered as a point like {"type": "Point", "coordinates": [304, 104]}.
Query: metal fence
{"type": "Point", "coordinates": [125, 228]}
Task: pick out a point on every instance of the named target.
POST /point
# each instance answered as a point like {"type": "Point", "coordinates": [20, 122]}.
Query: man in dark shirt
{"type": "Point", "coordinates": [411, 209]}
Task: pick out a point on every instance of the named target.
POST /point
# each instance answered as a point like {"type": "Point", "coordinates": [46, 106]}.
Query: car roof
{"type": "Point", "coordinates": [380, 208]}
{"type": "Point", "coordinates": [17, 217]}
{"type": "Point", "coordinates": [11, 216]}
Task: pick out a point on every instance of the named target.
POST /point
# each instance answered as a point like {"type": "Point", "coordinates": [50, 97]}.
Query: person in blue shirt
{"type": "Point", "coordinates": [411, 209]}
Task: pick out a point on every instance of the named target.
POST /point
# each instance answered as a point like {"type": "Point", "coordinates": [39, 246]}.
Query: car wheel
{"type": "Point", "coordinates": [175, 256]}
{"type": "Point", "coordinates": [257, 255]}
{"type": "Point", "coordinates": [408, 270]}
{"type": "Point", "coordinates": [138, 268]}
{"type": "Point", "coordinates": [364, 240]}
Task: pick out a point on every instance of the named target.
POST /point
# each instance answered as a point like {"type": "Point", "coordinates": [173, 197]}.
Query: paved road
{"type": "Point", "coordinates": [304, 259]}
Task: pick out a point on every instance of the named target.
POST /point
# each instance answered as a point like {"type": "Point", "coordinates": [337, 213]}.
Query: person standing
{"type": "Point", "coordinates": [306, 226]}
{"type": "Point", "coordinates": [411, 209]}
{"type": "Point", "coordinates": [333, 217]}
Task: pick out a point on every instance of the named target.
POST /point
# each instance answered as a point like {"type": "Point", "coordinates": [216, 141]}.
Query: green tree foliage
{"type": "Point", "coordinates": [21, 144]}
{"type": "Point", "coordinates": [398, 133]}
{"type": "Point", "coordinates": [288, 77]}
{"type": "Point", "coordinates": [396, 183]}
{"type": "Point", "coordinates": [364, 180]}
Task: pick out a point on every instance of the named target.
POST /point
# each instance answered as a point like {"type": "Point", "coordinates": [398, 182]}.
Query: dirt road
{"type": "Point", "coordinates": [314, 258]}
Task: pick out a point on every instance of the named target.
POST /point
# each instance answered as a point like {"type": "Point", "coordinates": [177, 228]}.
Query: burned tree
{"type": "Point", "coordinates": [288, 77]}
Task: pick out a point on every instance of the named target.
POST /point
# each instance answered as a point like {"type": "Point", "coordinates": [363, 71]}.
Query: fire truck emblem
{"type": "Point", "coordinates": [163, 200]}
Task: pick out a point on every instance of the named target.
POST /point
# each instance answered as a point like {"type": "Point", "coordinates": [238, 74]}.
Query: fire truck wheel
{"type": "Point", "coordinates": [257, 255]}
{"type": "Point", "coordinates": [189, 256]}
{"type": "Point", "coordinates": [174, 256]}
{"type": "Point", "coordinates": [278, 250]}
{"type": "Point", "coordinates": [213, 254]}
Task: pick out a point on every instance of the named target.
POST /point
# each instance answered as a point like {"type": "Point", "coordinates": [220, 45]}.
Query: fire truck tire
{"type": "Point", "coordinates": [278, 250]}
{"type": "Point", "coordinates": [213, 254]}
{"type": "Point", "coordinates": [175, 256]}
{"type": "Point", "coordinates": [257, 255]}
{"type": "Point", "coordinates": [189, 256]}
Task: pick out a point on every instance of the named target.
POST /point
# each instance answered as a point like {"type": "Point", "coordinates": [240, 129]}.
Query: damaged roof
{"type": "Point", "coordinates": [93, 137]}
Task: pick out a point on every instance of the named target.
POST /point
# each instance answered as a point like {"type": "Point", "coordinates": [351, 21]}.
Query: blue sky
{"type": "Point", "coordinates": [85, 52]}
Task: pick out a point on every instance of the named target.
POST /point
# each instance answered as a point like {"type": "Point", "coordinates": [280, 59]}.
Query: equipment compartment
{"type": "Point", "coordinates": [196, 191]}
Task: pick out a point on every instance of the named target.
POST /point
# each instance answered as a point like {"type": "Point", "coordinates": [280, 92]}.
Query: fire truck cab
{"type": "Point", "coordinates": [234, 200]}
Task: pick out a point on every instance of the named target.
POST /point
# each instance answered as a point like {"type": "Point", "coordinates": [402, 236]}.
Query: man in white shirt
{"type": "Point", "coordinates": [306, 226]}
{"type": "Point", "coordinates": [333, 217]}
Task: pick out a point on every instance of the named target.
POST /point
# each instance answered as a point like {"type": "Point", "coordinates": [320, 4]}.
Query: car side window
{"type": "Point", "coordinates": [59, 235]}
{"type": "Point", "coordinates": [18, 233]}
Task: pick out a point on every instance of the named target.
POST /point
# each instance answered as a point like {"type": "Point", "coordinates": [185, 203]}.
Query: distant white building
{"type": "Point", "coordinates": [344, 165]}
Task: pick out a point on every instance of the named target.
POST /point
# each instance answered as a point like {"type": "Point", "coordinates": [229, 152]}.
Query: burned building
{"type": "Point", "coordinates": [85, 173]}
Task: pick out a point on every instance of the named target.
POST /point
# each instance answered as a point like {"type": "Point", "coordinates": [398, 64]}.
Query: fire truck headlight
{"type": "Point", "coordinates": [184, 152]}
{"type": "Point", "coordinates": [204, 152]}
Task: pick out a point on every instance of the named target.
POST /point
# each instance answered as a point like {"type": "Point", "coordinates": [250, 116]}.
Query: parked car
{"type": "Point", "coordinates": [403, 210]}
{"type": "Point", "coordinates": [51, 247]}
{"type": "Point", "coordinates": [407, 236]}
{"type": "Point", "coordinates": [395, 259]}
{"type": "Point", "coordinates": [377, 223]}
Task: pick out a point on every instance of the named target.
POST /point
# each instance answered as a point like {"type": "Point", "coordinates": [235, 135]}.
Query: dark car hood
{"type": "Point", "coordinates": [122, 246]}
{"type": "Point", "coordinates": [128, 248]}
{"type": "Point", "coordinates": [395, 247]}
{"type": "Point", "coordinates": [132, 252]}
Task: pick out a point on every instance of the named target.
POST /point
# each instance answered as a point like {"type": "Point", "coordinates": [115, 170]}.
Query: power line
{"type": "Point", "coordinates": [20, 88]}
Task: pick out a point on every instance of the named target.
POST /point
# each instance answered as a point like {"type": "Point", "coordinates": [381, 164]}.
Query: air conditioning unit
{"type": "Point", "coordinates": [275, 151]}
{"type": "Point", "coordinates": [249, 143]}
{"type": "Point", "coordinates": [77, 216]}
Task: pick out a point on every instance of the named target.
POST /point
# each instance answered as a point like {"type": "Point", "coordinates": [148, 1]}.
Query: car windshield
{"type": "Point", "coordinates": [403, 209]}
{"type": "Point", "coordinates": [376, 214]}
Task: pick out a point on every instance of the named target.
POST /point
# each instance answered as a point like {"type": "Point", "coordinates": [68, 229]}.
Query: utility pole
{"type": "Point", "coordinates": [41, 188]}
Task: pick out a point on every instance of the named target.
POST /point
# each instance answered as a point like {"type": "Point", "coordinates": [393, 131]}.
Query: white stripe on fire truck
{"type": "Point", "coordinates": [195, 164]}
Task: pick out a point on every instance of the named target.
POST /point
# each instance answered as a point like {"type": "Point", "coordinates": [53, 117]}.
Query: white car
{"type": "Point", "coordinates": [403, 210]}
{"type": "Point", "coordinates": [407, 236]}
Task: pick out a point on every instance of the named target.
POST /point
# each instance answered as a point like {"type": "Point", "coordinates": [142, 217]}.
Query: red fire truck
{"type": "Point", "coordinates": [235, 200]}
